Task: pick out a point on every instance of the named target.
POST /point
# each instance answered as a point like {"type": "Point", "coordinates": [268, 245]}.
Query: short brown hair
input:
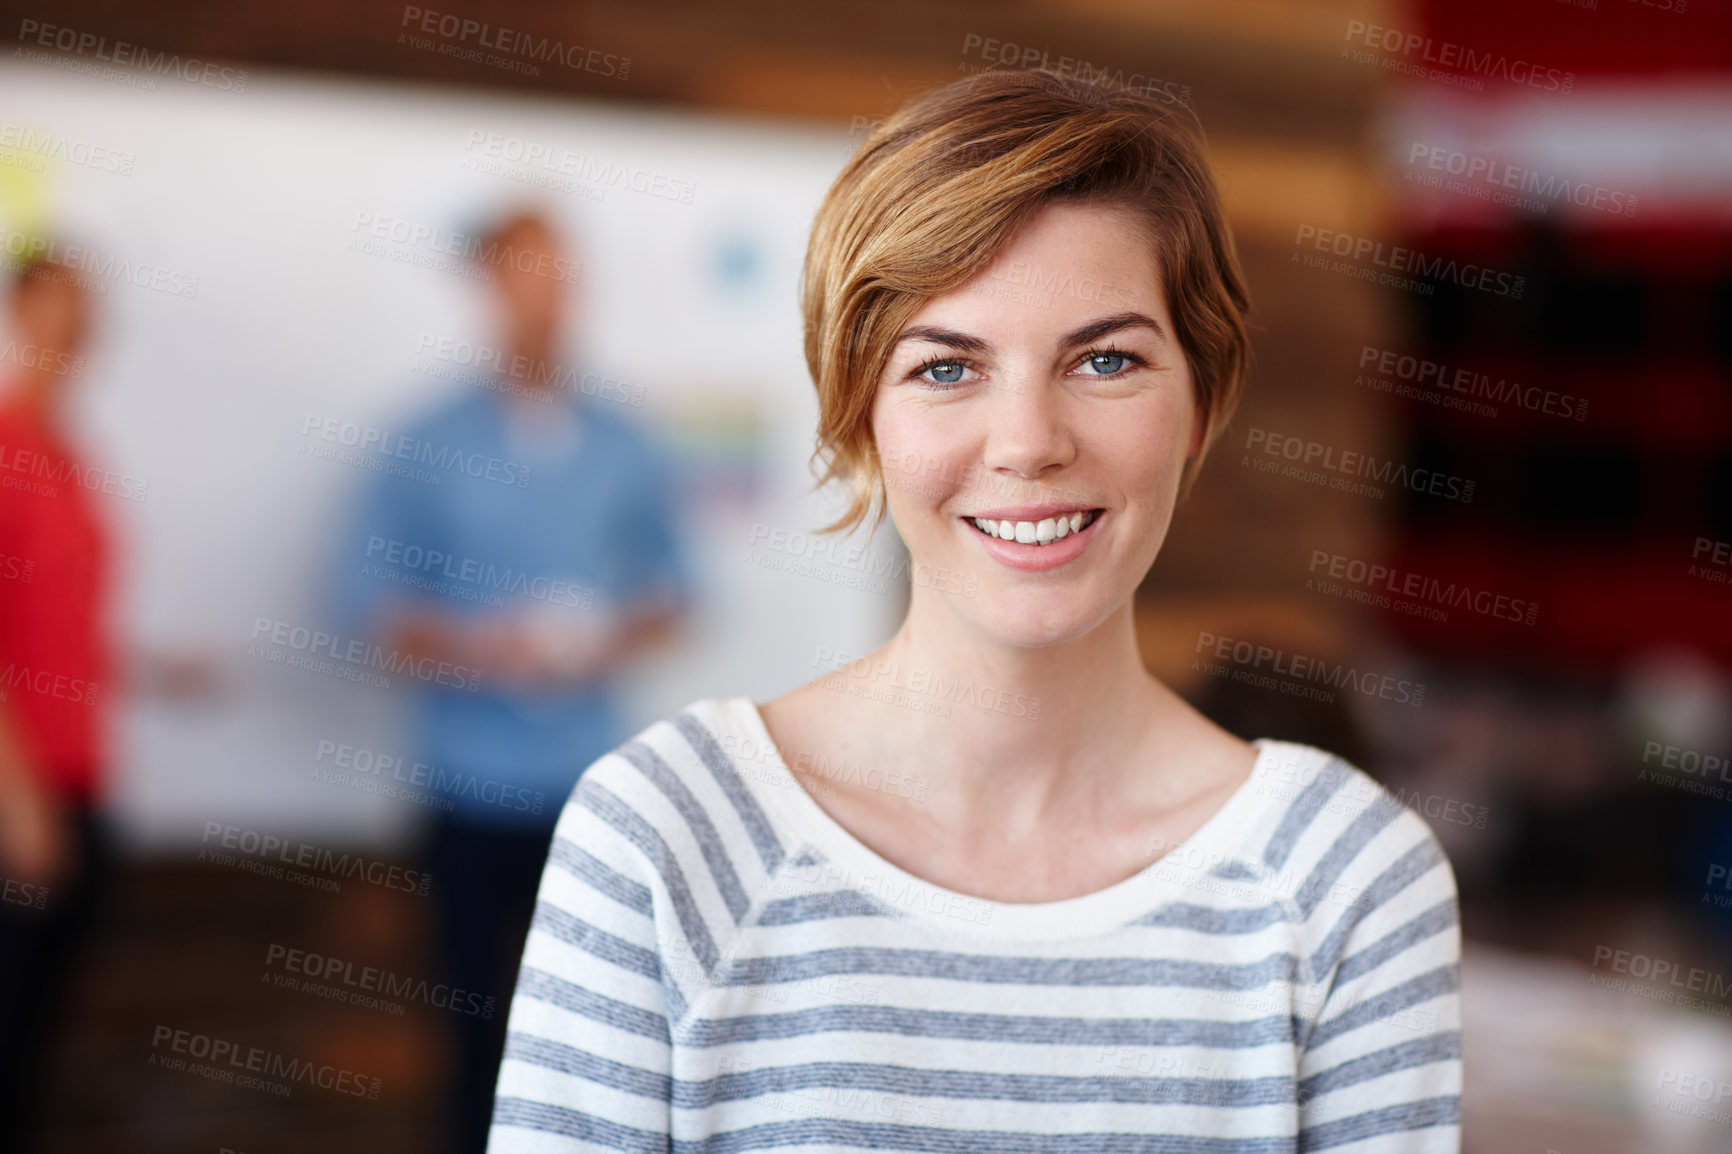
{"type": "Point", "coordinates": [939, 188]}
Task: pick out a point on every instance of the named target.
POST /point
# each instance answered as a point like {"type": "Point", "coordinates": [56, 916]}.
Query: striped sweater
{"type": "Point", "coordinates": [716, 965]}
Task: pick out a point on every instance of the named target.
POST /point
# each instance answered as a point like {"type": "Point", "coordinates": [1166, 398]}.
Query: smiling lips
{"type": "Point", "coordinates": [1042, 532]}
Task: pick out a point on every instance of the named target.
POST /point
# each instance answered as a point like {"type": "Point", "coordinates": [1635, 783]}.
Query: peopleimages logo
{"type": "Point", "coordinates": [580, 166]}
{"type": "Point", "coordinates": [502, 47]}
{"type": "Point", "coordinates": [1251, 659]}
{"type": "Point", "coordinates": [914, 686]}
{"type": "Point", "coordinates": [37, 146]}
{"type": "Point", "coordinates": [98, 270]}
{"type": "Point", "coordinates": [380, 450]}
{"type": "Point", "coordinates": [851, 566]}
{"type": "Point", "coordinates": [40, 475]}
{"type": "Point", "coordinates": [32, 356]}
{"type": "Point", "coordinates": [1436, 808]}
{"type": "Point", "coordinates": [343, 981]}
{"type": "Point", "coordinates": [47, 683]}
{"type": "Point", "coordinates": [1405, 260]}
{"type": "Point", "coordinates": [467, 578]}
{"type": "Point", "coordinates": [1384, 587]}
{"type": "Point", "coordinates": [1489, 179]}
{"type": "Point", "coordinates": [425, 244]}
{"type": "Point", "coordinates": [1411, 53]}
{"type": "Point", "coordinates": [1004, 54]}
{"type": "Point", "coordinates": [1715, 568]}
{"type": "Point", "coordinates": [246, 1065]}
{"type": "Point", "coordinates": [351, 658]}
{"type": "Point", "coordinates": [1671, 973]}
{"type": "Point", "coordinates": [253, 850]}
{"type": "Point", "coordinates": [23, 893]}
{"type": "Point", "coordinates": [1687, 760]}
{"type": "Point", "coordinates": [1720, 876]}
{"type": "Point", "coordinates": [1340, 467]}
{"type": "Point", "coordinates": [1061, 282]}
{"type": "Point", "coordinates": [71, 40]}
{"type": "Point", "coordinates": [1680, 1092]}
{"type": "Point", "coordinates": [490, 362]}
{"type": "Point", "coordinates": [1457, 388]}
{"type": "Point", "coordinates": [369, 771]}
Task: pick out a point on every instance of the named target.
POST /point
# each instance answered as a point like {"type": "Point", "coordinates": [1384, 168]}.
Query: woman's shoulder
{"type": "Point", "coordinates": [1328, 823]}
{"type": "Point", "coordinates": [685, 783]}
{"type": "Point", "coordinates": [698, 740]}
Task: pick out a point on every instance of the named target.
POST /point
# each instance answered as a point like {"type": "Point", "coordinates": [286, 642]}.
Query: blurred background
{"type": "Point", "coordinates": [1490, 248]}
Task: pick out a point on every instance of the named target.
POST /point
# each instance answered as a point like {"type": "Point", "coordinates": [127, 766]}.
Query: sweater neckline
{"type": "Point", "coordinates": [1093, 913]}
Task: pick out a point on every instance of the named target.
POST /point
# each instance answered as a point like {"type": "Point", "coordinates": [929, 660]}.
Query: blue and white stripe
{"type": "Point", "coordinates": [715, 966]}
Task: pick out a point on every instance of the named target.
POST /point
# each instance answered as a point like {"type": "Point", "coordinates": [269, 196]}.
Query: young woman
{"type": "Point", "coordinates": [994, 887]}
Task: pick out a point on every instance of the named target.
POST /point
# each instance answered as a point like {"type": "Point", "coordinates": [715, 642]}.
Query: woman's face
{"type": "Point", "coordinates": [1033, 425]}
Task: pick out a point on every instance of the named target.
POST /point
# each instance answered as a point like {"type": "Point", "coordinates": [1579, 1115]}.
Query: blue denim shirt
{"type": "Point", "coordinates": [490, 507]}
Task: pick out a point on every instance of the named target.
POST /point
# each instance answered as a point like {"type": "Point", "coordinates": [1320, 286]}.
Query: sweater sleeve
{"type": "Point", "coordinates": [587, 1052]}
{"type": "Point", "coordinates": [648, 882]}
{"type": "Point", "coordinates": [1380, 1063]}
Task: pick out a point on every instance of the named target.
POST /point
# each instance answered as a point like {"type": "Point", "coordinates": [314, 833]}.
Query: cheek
{"type": "Point", "coordinates": [921, 458]}
{"type": "Point", "coordinates": [1148, 449]}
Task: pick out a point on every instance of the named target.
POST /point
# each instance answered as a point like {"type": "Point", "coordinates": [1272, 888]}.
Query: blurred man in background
{"type": "Point", "coordinates": [54, 675]}
{"type": "Point", "coordinates": [546, 567]}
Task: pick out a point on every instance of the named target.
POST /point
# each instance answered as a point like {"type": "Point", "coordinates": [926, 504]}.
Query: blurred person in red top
{"type": "Point", "coordinates": [54, 670]}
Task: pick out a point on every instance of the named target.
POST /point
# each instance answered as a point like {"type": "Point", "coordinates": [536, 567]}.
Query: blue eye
{"type": "Point", "coordinates": [1106, 364]}
{"type": "Point", "coordinates": [945, 372]}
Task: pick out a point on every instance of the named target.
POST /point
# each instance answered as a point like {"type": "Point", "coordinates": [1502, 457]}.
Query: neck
{"type": "Point", "coordinates": [1025, 725]}
{"type": "Point", "coordinates": [533, 350]}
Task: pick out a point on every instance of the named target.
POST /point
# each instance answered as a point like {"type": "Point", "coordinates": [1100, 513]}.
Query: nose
{"type": "Point", "coordinates": [1028, 429]}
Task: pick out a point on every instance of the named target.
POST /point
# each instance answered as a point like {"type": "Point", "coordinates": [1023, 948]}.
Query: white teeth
{"type": "Point", "coordinates": [1042, 532]}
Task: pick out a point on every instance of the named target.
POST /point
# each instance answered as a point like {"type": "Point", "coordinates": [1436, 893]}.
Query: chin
{"type": "Point", "coordinates": [1035, 619]}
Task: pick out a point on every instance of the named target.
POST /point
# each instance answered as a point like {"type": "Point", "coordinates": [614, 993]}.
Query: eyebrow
{"type": "Point", "coordinates": [1093, 331]}
{"type": "Point", "coordinates": [1085, 335]}
{"type": "Point", "coordinates": [950, 337]}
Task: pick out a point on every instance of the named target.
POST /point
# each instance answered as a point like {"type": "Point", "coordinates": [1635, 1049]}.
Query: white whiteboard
{"type": "Point", "coordinates": [256, 195]}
